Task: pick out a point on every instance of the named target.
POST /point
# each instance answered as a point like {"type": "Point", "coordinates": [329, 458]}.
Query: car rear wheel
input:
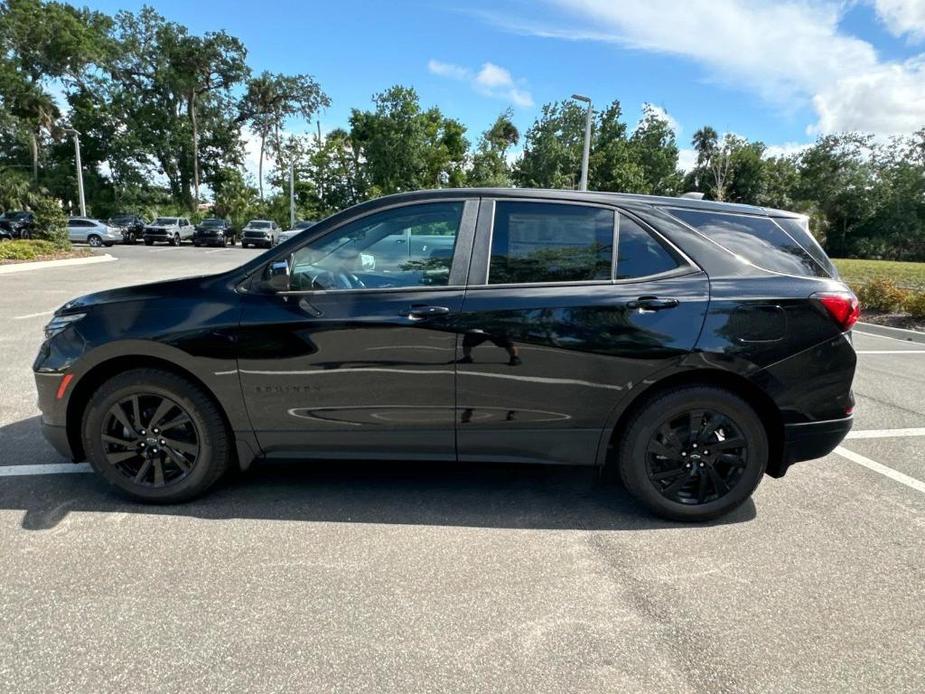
{"type": "Point", "coordinates": [130, 238]}
{"type": "Point", "coordinates": [149, 242]}
{"type": "Point", "coordinates": [694, 453]}
{"type": "Point", "coordinates": [94, 240]}
{"type": "Point", "coordinates": [155, 436]}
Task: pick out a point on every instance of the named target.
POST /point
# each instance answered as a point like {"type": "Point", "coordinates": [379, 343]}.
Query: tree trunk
{"type": "Point", "coordinates": [263, 141]}
{"type": "Point", "coordinates": [35, 158]}
{"type": "Point", "coordinates": [192, 114]}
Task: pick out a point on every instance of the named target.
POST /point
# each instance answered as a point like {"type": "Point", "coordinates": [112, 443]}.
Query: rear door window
{"type": "Point", "coordinates": [639, 254]}
{"type": "Point", "coordinates": [549, 242]}
{"type": "Point", "coordinates": [799, 231]}
{"type": "Point", "coordinates": [756, 239]}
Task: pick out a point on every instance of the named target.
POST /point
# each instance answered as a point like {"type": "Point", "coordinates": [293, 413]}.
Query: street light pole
{"type": "Point", "coordinates": [291, 197]}
{"type": "Point", "coordinates": [586, 151]}
{"type": "Point", "coordinates": [80, 173]}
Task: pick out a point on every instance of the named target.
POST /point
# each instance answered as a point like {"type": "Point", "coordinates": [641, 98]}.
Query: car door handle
{"type": "Point", "coordinates": [652, 303]}
{"type": "Point", "coordinates": [418, 312]}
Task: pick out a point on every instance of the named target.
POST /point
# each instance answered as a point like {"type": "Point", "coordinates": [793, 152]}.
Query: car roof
{"type": "Point", "coordinates": [632, 199]}
{"type": "Point", "coordinates": [83, 219]}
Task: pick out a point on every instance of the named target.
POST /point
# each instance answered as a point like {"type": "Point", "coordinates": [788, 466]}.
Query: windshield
{"type": "Point", "coordinates": [260, 225]}
{"type": "Point", "coordinates": [15, 215]}
{"type": "Point", "coordinates": [165, 221]}
{"type": "Point", "coordinates": [213, 223]}
{"type": "Point", "coordinates": [304, 225]}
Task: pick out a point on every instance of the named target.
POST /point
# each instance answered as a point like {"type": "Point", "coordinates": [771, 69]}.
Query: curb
{"type": "Point", "coordinates": [66, 262]}
{"type": "Point", "coordinates": [896, 333]}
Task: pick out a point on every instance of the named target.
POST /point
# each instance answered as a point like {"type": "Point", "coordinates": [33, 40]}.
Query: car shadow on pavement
{"type": "Point", "coordinates": [483, 495]}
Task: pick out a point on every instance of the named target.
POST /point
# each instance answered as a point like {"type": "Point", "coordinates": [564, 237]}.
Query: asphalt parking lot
{"type": "Point", "coordinates": [349, 577]}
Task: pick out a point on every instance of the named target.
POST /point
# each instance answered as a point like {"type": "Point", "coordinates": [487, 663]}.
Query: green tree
{"type": "Point", "coordinates": [405, 148]}
{"type": "Point", "coordinates": [654, 150]}
{"type": "Point", "coordinates": [269, 100]}
{"type": "Point", "coordinates": [552, 148]}
{"type": "Point", "coordinates": [489, 162]}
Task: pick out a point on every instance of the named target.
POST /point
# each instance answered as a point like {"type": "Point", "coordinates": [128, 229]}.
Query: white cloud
{"type": "Point", "coordinates": [491, 80]}
{"type": "Point", "coordinates": [687, 159]}
{"type": "Point", "coordinates": [447, 70]}
{"type": "Point", "coordinates": [903, 17]}
{"type": "Point", "coordinates": [792, 53]}
{"type": "Point", "coordinates": [667, 117]}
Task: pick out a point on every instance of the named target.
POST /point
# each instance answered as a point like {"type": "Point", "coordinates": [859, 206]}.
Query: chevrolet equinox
{"type": "Point", "coordinates": [694, 346]}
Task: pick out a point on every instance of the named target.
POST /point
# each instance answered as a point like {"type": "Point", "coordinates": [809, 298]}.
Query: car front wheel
{"type": "Point", "coordinates": [694, 453]}
{"type": "Point", "coordinates": [94, 240]}
{"type": "Point", "coordinates": [155, 436]}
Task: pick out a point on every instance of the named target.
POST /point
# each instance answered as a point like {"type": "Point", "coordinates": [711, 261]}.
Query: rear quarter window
{"type": "Point", "coordinates": [759, 240]}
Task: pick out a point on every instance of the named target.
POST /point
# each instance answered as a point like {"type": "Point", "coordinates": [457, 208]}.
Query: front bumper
{"type": "Point", "coordinates": [811, 440]}
{"type": "Point", "coordinates": [54, 417]}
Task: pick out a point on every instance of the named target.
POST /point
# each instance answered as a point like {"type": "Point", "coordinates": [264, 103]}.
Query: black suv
{"type": "Point", "coordinates": [132, 226]}
{"type": "Point", "coordinates": [694, 346]}
{"type": "Point", "coordinates": [214, 232]}
{"type": "Point", "coordinates": [17, 225]}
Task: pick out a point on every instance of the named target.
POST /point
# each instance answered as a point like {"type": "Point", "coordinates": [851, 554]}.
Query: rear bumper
{"type": "Point", "coordinates": [812, 440]}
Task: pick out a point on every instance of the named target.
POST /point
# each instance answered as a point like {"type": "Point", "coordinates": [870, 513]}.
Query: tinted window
{"type": "Point", "coordinates": [639, 254]}
{"type": "Point", "coordinates": [404, 247]}
{"type": "Point", "coordinates": [548, 242]}
{"type": "Point", "coordinates": [757, 239]}
{"type": "Point", "coordinates": [799, 231]}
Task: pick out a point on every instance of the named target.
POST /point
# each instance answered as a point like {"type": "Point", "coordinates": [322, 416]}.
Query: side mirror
{"type": "Point", "coordinates": [277, 276]}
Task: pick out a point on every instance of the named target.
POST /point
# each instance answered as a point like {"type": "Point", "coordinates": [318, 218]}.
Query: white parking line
{"type": "Point", "coordinates": [889, 351]}
{"type": "Point", "coordinates": [218, 250]}
{"type": "Point", "coordinates": [910, 482]}
{"type": "Point", "coordinates": [34, 315]}
{"type": "Point", "coordinates": [885, 433]}
{"type": "Point", "coordinates": [883, 337]}
{"type": "Point", "coordinates": [50, 469]}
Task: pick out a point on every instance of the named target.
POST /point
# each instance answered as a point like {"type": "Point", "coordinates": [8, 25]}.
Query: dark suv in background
{"type": "Point", "coordinates": [17, 225]}
{"type": "Point", "coordinates": [132, 226]}
{"type": "Point", "coordinates": [214, 232]}
{"type": "Point", "coordinates": [694, 346]}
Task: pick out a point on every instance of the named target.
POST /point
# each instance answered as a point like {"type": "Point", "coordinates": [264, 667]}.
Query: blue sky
{"type": "Point", "coordinates": [781, 72]}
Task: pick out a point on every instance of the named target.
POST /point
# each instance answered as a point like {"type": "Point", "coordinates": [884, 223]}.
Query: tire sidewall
{"type": "Point", "coordinates": [657, 412]}
{"type": "Point", "coordinates": [119, 388]}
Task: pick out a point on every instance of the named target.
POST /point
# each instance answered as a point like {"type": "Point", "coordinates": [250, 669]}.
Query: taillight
{"type": "Point", "coordinates": [842, 306]}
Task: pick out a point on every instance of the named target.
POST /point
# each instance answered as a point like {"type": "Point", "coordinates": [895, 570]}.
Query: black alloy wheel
{"type": "Point", "coordinates": [693, 453]}
{"type": "Point", "coordinates": [696, 457]}
{"type": "Point", "coordinates": [150, 439]}
{"type": "Point", "coordinates": [156, 436]}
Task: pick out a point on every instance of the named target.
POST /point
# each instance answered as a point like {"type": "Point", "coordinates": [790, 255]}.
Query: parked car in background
{"type": "Point", "coordinates": [132, 226]}
{"type": "Point", "coordinates": [260, 233]}
{"type": "Point", "coordinates": [18, 224]}
{"type": "Point", "coordinates": [214, 232]}
{"type": "Point", "coordinates": [298, 228]}
{"type": "Point", "coordinates": [172, 230]}
{"type": "Point", "coordinates": [5, 235]}
{"type": "Point", "coordinates": [693, 346]}
{"type": "Point", "coordinates": [92, 231]}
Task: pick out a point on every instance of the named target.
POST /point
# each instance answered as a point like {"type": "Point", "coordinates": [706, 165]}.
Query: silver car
{"type": "Point", "coordinates": [92, 231]}
{"type": "Point", "coordinates": [172, 230]}
{"type": "Point", "coordinates": [298, 228]}
{"type": "Point", "coordinates": [260, 232]}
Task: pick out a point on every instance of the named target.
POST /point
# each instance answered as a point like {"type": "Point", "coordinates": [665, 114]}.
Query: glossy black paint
{"type": "Point", "coordinates": [539, 373]}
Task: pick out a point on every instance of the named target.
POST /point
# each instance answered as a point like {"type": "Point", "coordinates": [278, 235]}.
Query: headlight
{"type": "Point", "coordinates": [59, 323]}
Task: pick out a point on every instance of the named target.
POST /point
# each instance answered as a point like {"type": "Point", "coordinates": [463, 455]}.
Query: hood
{"type": "Point", "coordinates": [156, 290]}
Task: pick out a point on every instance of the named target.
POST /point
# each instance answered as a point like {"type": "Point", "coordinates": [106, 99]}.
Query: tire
{"type": "Point", "coordinates": [149, 242]}
{"type": "Point", "coordinates": [664, 472]}
{"type": "Point", "coordinates": [130, 238]}
{"type": "Point", "coordinates": [196, 244]}
{"type": "Point", "coordinates": [175, 240]}
{"type": "Point", "coordinates": [108, 244]}
{"type": "Point", "coordinates": [94, 240]}
{"type": "Point", "coordinates": [243, 245]}
{"type": "Point", "coordinates": [205, 428]}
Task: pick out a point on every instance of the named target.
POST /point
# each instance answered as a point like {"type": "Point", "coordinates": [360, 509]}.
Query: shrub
{"type": "Point", "coordinates": [50, 222]}
{"type": "Point", "coordinates": [915, 304]}
{"type": "Point", "coordinates": [881, 295]}
{"type": "Point", "coordinates": [26, 250]}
